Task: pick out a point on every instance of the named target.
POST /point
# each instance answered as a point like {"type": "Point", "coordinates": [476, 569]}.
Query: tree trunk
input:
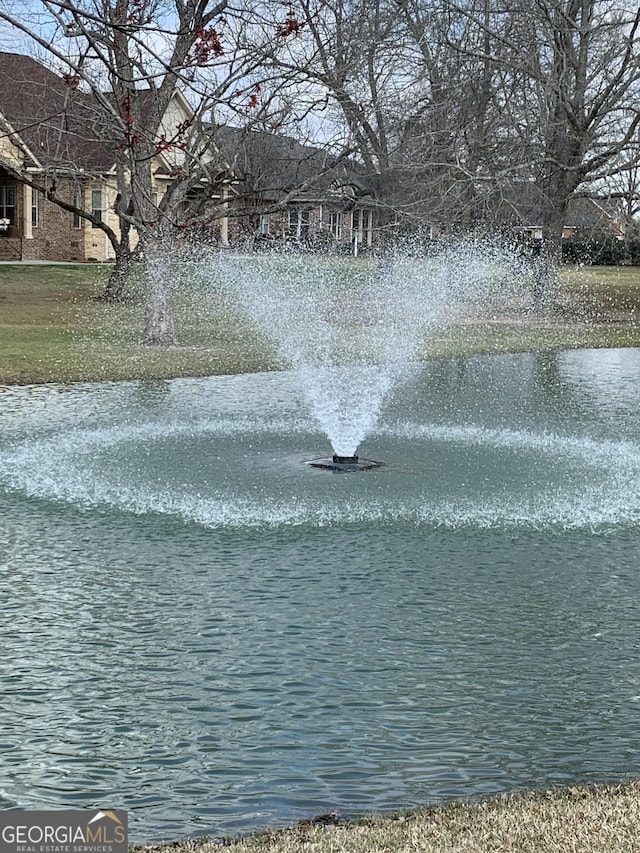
{"type": "Point", "coordinates": [554, 211]}
{"type": "Point", "coordinates": [159, 329]}
{"type": "Point", "coordinates": [119, 276]}
{"type": "Point", "coordinates": [545, 278]}
{"type": "Point", "coordinates": [125, 257]}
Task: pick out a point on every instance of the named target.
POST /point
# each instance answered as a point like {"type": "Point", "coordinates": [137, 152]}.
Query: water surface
{"type": "Point", "coordinates": [202, 630]}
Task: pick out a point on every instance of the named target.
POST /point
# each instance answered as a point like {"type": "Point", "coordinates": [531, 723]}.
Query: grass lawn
{"type": "Point", "coordinates": [606, 291]}
{"type": "Point", "coordinates": [54, 328]}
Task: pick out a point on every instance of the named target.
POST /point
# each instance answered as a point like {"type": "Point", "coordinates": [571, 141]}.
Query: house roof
{"type": "Point", "coordinates": [273, 166]}
{"type": "Point", "coordinates": [52, 121]}
{"type": "Point", "coordinates": [521, 205]}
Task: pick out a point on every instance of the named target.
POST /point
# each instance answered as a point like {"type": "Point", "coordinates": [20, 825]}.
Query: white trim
{"type": "Point", "coordinates": [20, 143]}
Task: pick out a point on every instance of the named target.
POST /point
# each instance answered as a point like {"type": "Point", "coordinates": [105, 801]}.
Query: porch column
{"type": "Point", "coordinates": [106, 218]}
{"type": "Point", "coordinates": [27, 228]}
{"type": "Point", "coordinates": [224, 220]}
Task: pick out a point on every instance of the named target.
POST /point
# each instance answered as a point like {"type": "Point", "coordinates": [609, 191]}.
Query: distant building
{"type": "Point", "coordinates": [271, 188]}
{"type": "Point", "coordinates": [520, 210]}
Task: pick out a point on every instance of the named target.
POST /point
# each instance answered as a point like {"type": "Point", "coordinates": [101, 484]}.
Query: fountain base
{"type": "Point", "coordinates": [344, 463]}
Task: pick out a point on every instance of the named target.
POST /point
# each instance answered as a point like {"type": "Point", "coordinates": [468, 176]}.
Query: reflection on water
{"type": "Point", "coordinates": [201, 630]}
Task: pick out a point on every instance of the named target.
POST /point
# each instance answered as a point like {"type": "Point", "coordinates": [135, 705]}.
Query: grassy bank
{"type": "Point", "coordinates": [54, 328]}
{"type": "Point", "coordinates": [604, 819]}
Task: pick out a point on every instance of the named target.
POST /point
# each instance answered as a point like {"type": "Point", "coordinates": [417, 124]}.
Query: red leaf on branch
{"type": "Point", "coordinates": [207, 45]}
{"type": "Point", "coordinates": [72, 80]}
{"type": "Point", "coordinates": [290, 27]}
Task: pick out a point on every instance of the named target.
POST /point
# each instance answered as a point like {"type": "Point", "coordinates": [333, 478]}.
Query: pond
{"type": "Point", "coordinates": [201, 629]}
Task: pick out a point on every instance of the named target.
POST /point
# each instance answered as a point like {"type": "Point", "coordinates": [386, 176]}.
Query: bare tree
{"type": "Point", "coordinates": [459, 136]}
{"type": "Point", "coordinates": [451, 104]}
{"type": "Point", "coordinates": [347, 59]}
{"type": "Point", "coordinates": [415, 84]}
{"type": "Point", "coordinates": [586, 72]}
{"type": "Point", "coordinates": [569, 83]}
{"type": "Point", "coordinates": [133, 55]}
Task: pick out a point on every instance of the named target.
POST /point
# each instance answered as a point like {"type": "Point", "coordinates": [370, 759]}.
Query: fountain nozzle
{"type": "Point", "coordinates": [345, 460]}
{"type": "Point", "coordinates": [344, 463]}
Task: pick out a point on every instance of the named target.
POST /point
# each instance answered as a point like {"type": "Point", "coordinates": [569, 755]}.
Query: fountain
{"type": "Point", "coordinates": [352, 332]}
{"type": "Point", "coordinates": [201, 629]}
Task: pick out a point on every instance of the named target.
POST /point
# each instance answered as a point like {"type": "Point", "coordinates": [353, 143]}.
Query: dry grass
{"type": "Point", "coordinates": [603, 819]}
{"type": "Point", "coordinates": [53, 329]}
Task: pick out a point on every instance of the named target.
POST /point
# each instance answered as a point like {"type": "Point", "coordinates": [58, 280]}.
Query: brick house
{"type": "Point", "coordinates": [49, 135]}
{"type": "Point", "coordinates": [272, 190]}
{"type": "Point", "coordinates": [284, 193]}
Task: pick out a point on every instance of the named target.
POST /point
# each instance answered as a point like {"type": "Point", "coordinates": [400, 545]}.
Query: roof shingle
{"type": "Point", "coordinates": [57, 122]}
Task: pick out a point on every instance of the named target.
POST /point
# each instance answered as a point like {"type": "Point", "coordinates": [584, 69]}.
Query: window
{"type": "Point", "coordinates": [264, 226]}
{"type": "Point", "coordinates": [299, 223]}
{"type": "Point", "coordinates": [34, 208]}
{"type": "Point", "coordinates": [77, 202]}
{"type": "Point", "coordinates": [335, 224]}
{"type": "Point", "coordinates": [96, 206]}
{"type": "Point", "coordinates": [361, 226]}
{"type": "Point", "coordinates": [8, 203]}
